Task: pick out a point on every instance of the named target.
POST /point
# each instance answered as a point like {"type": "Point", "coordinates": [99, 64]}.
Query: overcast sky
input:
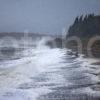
{"type": "Point", "coordinates": [43, 16]}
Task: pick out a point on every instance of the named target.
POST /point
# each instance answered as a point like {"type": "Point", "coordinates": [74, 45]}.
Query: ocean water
{"type": "Point", "coordinates": [45, 73]}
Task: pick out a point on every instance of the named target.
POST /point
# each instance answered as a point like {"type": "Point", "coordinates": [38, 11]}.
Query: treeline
{"type": "Point", "coordinates": [19, 35]}
{"type": "Point", "coordinates": [85, 26]}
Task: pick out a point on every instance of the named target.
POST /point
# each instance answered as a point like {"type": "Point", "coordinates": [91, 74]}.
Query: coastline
{"type": "Point", "coordinates": [96, 66]}
{"type": "Point", "coordinates": [94, 63]}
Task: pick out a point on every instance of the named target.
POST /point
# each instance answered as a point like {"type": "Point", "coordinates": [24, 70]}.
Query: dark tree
{"type": "Point", "coordinates": [85, 26]}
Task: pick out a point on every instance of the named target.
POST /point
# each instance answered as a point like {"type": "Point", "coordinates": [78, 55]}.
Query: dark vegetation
{"type": "Point", "coordinates": [85, 27]}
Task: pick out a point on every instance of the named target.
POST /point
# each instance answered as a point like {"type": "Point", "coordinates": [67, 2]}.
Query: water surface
{"type": "Point", "coordinates": [47, 74]}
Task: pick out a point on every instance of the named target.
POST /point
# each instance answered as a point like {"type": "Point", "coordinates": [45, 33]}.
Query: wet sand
{"type": "Point", "coordinates": [65, 92]}
{"type": "Point", "coordinates": [96, 66]}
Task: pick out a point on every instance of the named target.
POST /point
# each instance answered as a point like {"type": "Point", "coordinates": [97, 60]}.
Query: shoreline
{"type": "Point", "coordinates": [96, 66]}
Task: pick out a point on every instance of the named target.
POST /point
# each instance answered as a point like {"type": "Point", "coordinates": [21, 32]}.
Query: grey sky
{"type": "Point", "coordinates": [43, 16]}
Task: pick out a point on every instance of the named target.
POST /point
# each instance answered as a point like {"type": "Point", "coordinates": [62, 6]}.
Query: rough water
{"type": "Point", "coordinates": [45, 73]}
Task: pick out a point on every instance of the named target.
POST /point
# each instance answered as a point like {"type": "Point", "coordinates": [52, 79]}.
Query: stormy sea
{"type": "Point", "coordinates": [40, 72]}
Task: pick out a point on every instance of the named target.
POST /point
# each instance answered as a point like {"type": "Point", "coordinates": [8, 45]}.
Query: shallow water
{"type": "Point", "coordinates": [47, 74]}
